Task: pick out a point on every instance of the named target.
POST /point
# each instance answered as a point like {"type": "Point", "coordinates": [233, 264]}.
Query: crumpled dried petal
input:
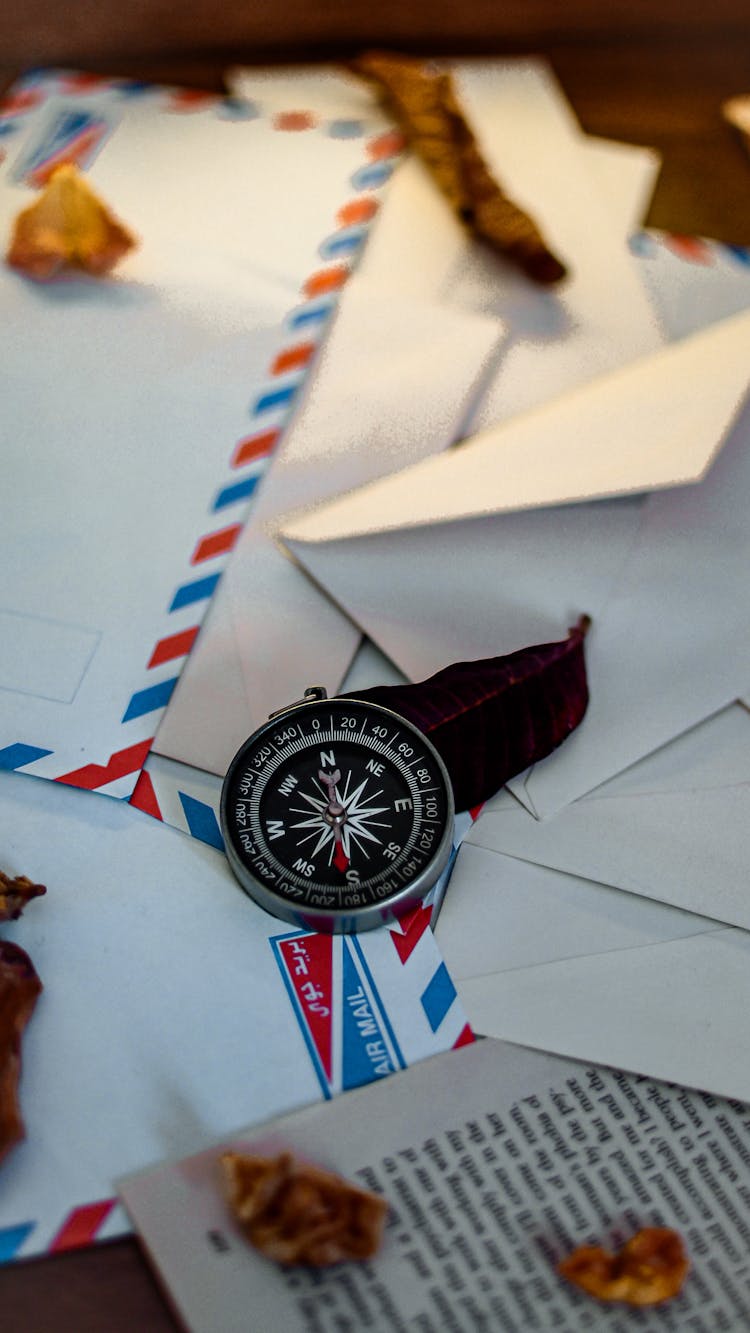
{"type": "Point", "coordinates": [428, 109]}
{"type": "Point", "coordinates": [15, 894]}
{"type": "Point", "coordinates": [67, 226]}
{"type": "Point", "coordinates": [298, 1214]}
{"type": "Point", "coordinates": [650, 1268]}
{"type": "Point", "coordinates": [19, 988]}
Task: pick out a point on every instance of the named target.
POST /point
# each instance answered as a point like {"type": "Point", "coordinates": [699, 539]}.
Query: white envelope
{"type": "Point", "coordinates": [599, 317]}
{"type": "Point", "coordinates": [659, 584]}
{"type": "Point", "coordinates": [556, 962]}
{"type": "Point", "coordinates": [659, 421]}
{"type": "Point", "coordinates": [674, 827]}
{"type": "Point", "coordinates": [393, 381]}
{"type": "Point", "coordinates": [126, 400]}
{"type": "Point", "coordinates": [241, 666]}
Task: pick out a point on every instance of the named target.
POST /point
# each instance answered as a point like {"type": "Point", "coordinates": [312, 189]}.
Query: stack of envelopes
{"type": "Point", "coordinates": [280, 369]}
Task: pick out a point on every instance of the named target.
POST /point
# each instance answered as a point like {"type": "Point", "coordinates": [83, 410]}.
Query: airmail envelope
{"type": "Point", "coordinates": [129, 403]}
{"type": "Point", "coordinates": [394, 380]}
{"type": "Point", "coordinates": [663, 577]}
{"type": "Point", "coordinates": [598, 318]}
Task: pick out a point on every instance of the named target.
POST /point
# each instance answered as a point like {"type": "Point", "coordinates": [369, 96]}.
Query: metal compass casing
{"type": "Point", "coordinates": [337, 814]}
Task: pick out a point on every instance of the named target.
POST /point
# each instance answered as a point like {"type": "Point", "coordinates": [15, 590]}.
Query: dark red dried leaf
{"type": "Point", "coordinates": [19, 988]}
{"type": "Point", "coordinates": [490, 719]}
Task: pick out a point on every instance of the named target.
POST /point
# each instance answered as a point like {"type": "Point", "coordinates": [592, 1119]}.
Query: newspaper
{"type": "Point", "coordinates": [496, 1162]}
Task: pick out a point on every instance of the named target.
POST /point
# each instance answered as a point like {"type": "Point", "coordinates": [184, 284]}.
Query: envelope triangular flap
{"type": "Point", "coordinates": [657, 422]}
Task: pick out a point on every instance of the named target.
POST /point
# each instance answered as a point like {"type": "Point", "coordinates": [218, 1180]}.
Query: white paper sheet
{"type": "Point", "coordinates": [496, 1163]}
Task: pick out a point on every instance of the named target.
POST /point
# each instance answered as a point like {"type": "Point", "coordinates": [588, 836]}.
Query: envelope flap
{"type": "Point", "coordinates": [657, 422]}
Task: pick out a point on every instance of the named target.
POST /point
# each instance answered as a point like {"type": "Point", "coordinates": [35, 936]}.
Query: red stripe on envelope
{"type": "Point", "coordinates": [20, 101]}
{"type": "Point", "coordinates": [120, 764]}
{"type": "Point", "coordinates": [294, 120]}
{"type": "Point", "coordinates": [175, 645]}
{"type": "Point", "coordinates": [326, 280]}
{"type": "Point", "coordinates": [190, 99]}
{"type": "Point", "coordinates": [413, 926]}
{"type": "Point", "coordinates": [216, 543]}
{"type": "Point", "coordinates": [386, 145]}
{"type": "Point", "coordinates": [144, 796]}
{"type": "Point", "coordinates": [292, 357]}
{"type": "Point", "coordinates": [82, 1225]}
{"type": "Point", "coordinates": [254, 447]}
{"type": "Point", "coordinates": [79, 83]}
{"type": "Point", "coordinates": [465, 1038]}
{"type": "Point", "coordinates": [689, 247]}
{"type": "Point", "coordinates": [357, 210]}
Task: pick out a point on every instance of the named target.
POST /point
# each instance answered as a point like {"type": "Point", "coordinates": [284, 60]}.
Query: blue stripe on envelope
{"type": "Point", "coordinates": [18, 755]}
{"type": "Point", "coordinates": [437, 997]}
{"type": "Point", "coordinates": [11, 1240]}
{"type": "Point", "coordinates": [201, 821]}
{"type": "Point", "coordinates": [275, 397]}
{"type": "Point", "coordinates": [194, 592]}
{"type": "Point", "coordinates": [146, 701]}
{"type": "Point", "coordinates": [240, 490]}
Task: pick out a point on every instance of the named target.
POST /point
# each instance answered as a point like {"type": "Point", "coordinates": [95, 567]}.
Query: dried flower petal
{"type": "Point", "coordinates": [427, 106]}
{"type": "Point", "coordinates": [650, 1268]}
{"type": "Point", "coordinates": [489, 720]}
{"type": "Point", "coordinates": [15, 894]}
{"type": "Point", "coordinates": [19, 988]}
{"type": "Point", "coordinates": [67, 226]}
{"type": "Point", "coordinates": [298, 1214]}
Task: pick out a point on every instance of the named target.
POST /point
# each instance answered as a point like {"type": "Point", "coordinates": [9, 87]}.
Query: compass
{"type": "Point", "coordinates": [337, 814]}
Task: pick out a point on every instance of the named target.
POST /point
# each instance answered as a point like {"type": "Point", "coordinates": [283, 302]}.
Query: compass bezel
{"type": "Point", "coordinates": [257, 869]}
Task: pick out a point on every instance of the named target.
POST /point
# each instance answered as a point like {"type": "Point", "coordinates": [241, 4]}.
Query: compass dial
{"type": "Point", "coordinates": [337, 814]}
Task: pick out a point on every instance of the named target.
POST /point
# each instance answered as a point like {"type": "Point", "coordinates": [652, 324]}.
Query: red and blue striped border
{"type": "Point", "coordinates": [693, 249]}
{"type": "Point", "coordinates": [83, 1225]}
{"type": "Point", "coordinates": [302, 333]}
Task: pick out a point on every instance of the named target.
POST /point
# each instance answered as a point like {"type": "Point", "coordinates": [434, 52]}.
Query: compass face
{"type": "Point", "coordinates": [337, 814]}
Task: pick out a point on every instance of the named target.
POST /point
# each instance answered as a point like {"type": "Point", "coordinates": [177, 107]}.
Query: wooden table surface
{"type": "Point", "coordinates": [664, 91]}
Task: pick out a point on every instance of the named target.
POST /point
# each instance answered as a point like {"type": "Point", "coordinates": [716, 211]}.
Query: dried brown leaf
{"type": "Point", "coordinates": [67, 226]}
{"type": "Point", "coordinates": [295, 1213]}
{"type": "Point", "coordinates": [15, 894]}
{"type": "Point", "coordinates": [650, 1268]}
{"type": "Point", "coordinates": [427, 106]}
